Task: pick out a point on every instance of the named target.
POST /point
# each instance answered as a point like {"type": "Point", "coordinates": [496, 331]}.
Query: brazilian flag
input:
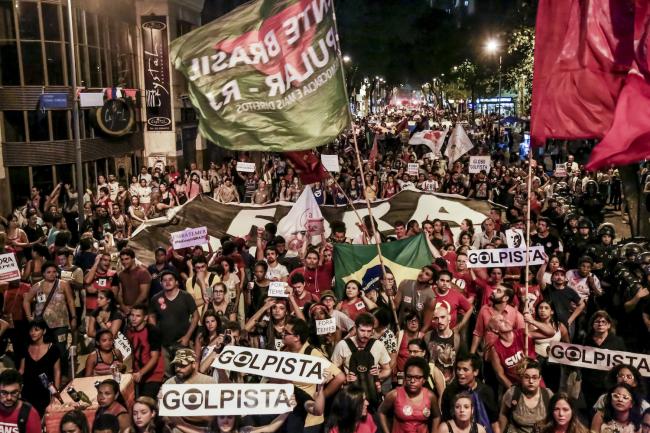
{"type": "Point", "coordinates": [403, 258]}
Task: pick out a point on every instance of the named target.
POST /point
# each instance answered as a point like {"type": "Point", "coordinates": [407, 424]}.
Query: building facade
{"type": "Point", "coordinates": [37, 145]}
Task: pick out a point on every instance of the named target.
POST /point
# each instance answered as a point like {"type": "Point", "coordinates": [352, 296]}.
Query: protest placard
{"type": "Point", "coordinates": [504, 257]}
{"type": "Point", "coordinates": [246, 167]}
{"type": "Point", "coordinates": [330, 162]}
{"type": "Point", "coordinates": [9, 270]}
{"type": "Point", "coordinates": [560, 170]}
{"type": "Point", "coordinates": [224, 399]}
{"type": "Point", "coordinates": [576, 355]}
{"type": "Point", "coordinates": [157, 162]}
{"type": "Point", "coordinates": [478, 163]}
{"type": "Point", "coordinates": [189, 237]}
{"type": "Point", "coordinates": [515, 238]}
{"type": "Point", "coordinates": [293, 367]}
{"type": "Point", "coordinates": [326, 326]}
{"type": "Point", "coordinates": [277, 289]}
{"type": "Point", "coordinates": [122, 344]}
{"type": "Point", "coordinates": [412, 169]}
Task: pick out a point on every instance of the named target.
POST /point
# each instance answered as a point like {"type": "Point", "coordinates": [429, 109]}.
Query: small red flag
{"type": "Point", "coordinates": [308, 166]}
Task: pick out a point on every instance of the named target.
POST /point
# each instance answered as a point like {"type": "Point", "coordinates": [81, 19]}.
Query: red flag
{"type": "Point", "coordinates": [583, 51]}
{"type": "Point", "coordinates": [628, 140]}
{"type": "Point", "coordinates": [373, 153]}
{"type": "Point", "coordinates": [308, 166]}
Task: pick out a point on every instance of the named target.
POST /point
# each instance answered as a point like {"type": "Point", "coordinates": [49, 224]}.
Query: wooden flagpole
{"type": "Point", "coordinates": [530, 184]}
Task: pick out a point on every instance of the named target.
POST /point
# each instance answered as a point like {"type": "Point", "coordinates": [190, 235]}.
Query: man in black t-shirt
{"type": "Point", "coordinates": [544, 238]}
{"type": "Point", "coordinates": [174, 312]}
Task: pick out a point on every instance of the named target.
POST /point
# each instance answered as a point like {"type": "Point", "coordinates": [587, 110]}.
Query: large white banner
{"type": "Point", "coordinates": [225, 399]}
{"type": "Point", "coordinates": [289, 366]}
{"type": "Point", "coordinates": [189, 238]}
{"type": "Point", "coordinates": [597, 359]}
{"type": "Point", "coordinates": [504, 257]}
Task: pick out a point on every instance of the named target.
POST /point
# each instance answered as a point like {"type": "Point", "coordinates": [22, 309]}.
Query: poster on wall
{"type": "Point", "coordinates": [155, 51]}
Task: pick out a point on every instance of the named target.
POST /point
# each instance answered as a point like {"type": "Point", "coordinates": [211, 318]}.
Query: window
{"type": "Point", "coordinates": [95, 67]}
{"type": "Point", "coordinates": [91, 29]}
{"type": "Point", "coordinates": [7, 29]}
{"type": "Point", "coordinates": [60, 125]}
{"type": "Point", "coordinates": [14, 126]}
{"type": "Point", "coordinates": [51, 27]}
{"type": "Point", "coordinates": [38, 126]}
{"type": "Point", "coordinates": [28, 20]}
{"type": "Point", "coordinates": [9, 73]}
{"type": "Point", "coordinates": [33, 61]}
{"type": "Point", "coordinates": [54, 64]}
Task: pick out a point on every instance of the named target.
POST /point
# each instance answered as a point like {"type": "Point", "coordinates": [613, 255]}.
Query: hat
{"type": "Point", "coordinates": [562, 270]}
{"type": "Point", "coordinates": [327, 293]}
{"type": "Point", "coordinates": [184, 357]}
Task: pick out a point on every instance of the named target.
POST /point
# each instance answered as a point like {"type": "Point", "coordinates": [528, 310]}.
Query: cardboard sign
{"type": "Point", "coordinates": [560, 170]}
{"type": "Point", "coordinates": [412, 169]}
{"type": "Point", "coordinates": [326, 326]}
{"type": "Point", "coordinates": [315, 227]}
{"type": "Point", "coordinates": [224, 399]}
{"type": "Point", "coordinates": [330, 162]}
{"type": "Point", "coordinates": [122, 344]}
{"type": "Point", "coordinates": [478, 163]}
{"type": "Point", "coordinates": [246, 167]}
{"type": "Point", "coordinates": [9, 270]}
{"type": "Point", "coordinates": [597, 359]}
{"type": "Point", "coordinates": [504, 257]}
{"type": "Point", "coordinates": [189, 238]}
{"type": "Point", "coordinates": [515, 238]}
{"type": "Point", "coordinates": [293, 367]}
{"type": "Point", "coordinates": [277, 289]}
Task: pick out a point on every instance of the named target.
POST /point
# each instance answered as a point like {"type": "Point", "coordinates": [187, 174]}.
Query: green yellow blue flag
{"type": "Point", "coordinates": [403, 258]}
{"type": "Point", "coordinates": [267, 76]}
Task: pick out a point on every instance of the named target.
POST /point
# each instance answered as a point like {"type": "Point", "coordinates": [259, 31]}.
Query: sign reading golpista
{"type": "Point", "coordinates": [293, 367]}
{"type": "Point", "coordinates": [267, 76]}
{"type": "Point", "coordinates": [597, 359]}
{"type": "Point", "coordinates": [504, 257]}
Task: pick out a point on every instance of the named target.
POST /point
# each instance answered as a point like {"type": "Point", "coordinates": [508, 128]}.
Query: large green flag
{"type": "Point", "coordinates": [267, 76]}
{"type": "Point", "coordinates": [403, 258]}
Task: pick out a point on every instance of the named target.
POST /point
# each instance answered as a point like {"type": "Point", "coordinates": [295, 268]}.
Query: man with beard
{"type": "Point", "coordinates": [186, 372]}
{"type": "Point", "coordinates": [452, 300]}
{"type": "Point", "coordinates": [443, 343]}
{"type": "Point", "coordinates": [500, 299]}
{"type": "Point", "coordinates": [16, 415]}
{"type": "Point", "coordinates": [486, 409]}
{"type": "Point", "coordinates": [544, 238]}
{"type": "Point", "coordinates": [417, 295]}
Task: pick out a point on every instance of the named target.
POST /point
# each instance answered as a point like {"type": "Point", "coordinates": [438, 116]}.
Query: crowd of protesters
{"type": "Point", "coordinates": [442, 353]}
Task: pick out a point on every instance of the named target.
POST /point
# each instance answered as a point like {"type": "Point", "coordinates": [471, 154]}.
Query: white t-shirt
{"type": "Point", "coordinates": [579, 284]}
{"type": "Point", "coordinates": [341, 355]}
{"type": "Point", "coordinates": [277, 273]}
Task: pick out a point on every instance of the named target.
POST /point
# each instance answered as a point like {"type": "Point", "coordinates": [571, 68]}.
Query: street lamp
{"type": "Point", "coordinates": [492, 47]}
{"type": "Point", "coordinates": [347, 59]}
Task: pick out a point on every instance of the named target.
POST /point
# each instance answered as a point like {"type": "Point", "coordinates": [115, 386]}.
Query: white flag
{"type": "Point", "coordinates": [458, 145]}
{"type": "Point", "coordinates": [432, 139]}
{"type": "Point", "coordinates": [304, 211]}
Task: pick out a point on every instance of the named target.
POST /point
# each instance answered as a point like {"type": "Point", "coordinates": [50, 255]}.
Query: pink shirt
{"type": "Point", "coordinates": [485, 314]}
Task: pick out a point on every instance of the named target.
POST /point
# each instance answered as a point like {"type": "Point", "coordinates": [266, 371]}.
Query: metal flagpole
{"type": "Point", "coordinates": [375, 227]}
{"type": "Point", "coordinates": [530, 183]}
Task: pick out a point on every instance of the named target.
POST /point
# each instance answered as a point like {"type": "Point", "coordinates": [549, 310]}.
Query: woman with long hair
{"type": "Point", "coordinates": [355, 301]}
{"type": "Point", "coordinates": [390, 188]}
{"type": "Point", "coordinates": [545, 313]}
{"type": "Point", "coordinates": [465, 239]}
{"type": "Point", "coordinates": [145, 416]}
{"type": "Point", "coordinates": [622, 373]}
{"type": "Point", "coordinates": [167, 198]}
{"type": "Point", "coordinates": [16, 238]}
{"type": "Point", "coordinates": [229, 278]}
{"type": "Point", "coordinates": [463, 420]}
{"type": "Point", "coordinates": [621, 412]}
{"type": "Point", "coordinates": [74, 422]}
{"type": "Point", "coordinates": [107, 315]}
{"type": "Point", "coordinates": [110, 402]}
{"type": "Point", "coordinates": [562, 416]}
{"type": "Point", "coordinates": [137, 212]}
{"type": "Point", "coordinates": [325, 342]}
{"type": "Point", "coordinates": [121, 222]}
{"type": "Point", "coordinates": [349, 412]}
{"type": "Point", "coordinates": [33, 272]}
{"type": "Point", "coordinates": [105, 357]}
{"type": "Point", "coordinates": [409, 330]}
{"type": "Point", "coordinates": [209, 343]}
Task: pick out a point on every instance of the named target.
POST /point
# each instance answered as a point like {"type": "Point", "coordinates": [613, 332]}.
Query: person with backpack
{"type": "Point", "coordinates": [16, 415]}
{"type": "Point", "coordinates": [524, 406]}
{"type": "Point", "coordinates": [364, 359]}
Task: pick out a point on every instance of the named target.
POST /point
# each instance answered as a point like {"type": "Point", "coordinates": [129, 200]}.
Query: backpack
{"type": "Point", "coordinates": [361, 361]}
{"type": "Point", "coordinates": [23, 416]}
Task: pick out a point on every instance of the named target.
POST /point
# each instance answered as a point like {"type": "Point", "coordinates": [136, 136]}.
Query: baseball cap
{"type": "Point", "coordinates": [327, 293]}
{"type": "Point", "coordinates": [184, 357]}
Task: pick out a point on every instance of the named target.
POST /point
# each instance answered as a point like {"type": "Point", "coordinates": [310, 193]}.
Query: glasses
{"type": "Point", "coordinates": [413, 377]}
{"type": "Point", "coordinates": [4, 393]}
{"type": "Point", "coordinates": [601, 322]}
{"type": "Point", "coordinates": [621, 397]}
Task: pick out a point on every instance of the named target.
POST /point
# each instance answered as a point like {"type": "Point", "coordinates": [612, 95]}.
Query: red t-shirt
{"type": "Point", "coordinates": [9, 421]}
{"type": "Point", "coordinates": [454, 302]}
{"type": "Point", "coordinates": [511, 357]}
{"type": "Point", "coordinates": [144, 342]}
{"type": "Point", "coordinates": [316, 280]}
{"type": "Point", "coordinates": [486, 290]}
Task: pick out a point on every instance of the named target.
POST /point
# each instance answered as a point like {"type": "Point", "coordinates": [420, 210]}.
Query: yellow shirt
{"type": "Point", "coordinates": [310, 388]}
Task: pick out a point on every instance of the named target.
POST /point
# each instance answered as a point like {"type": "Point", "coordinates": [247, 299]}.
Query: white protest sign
{"type": "Point", "coordinates": [293, 367]}
{"type": "Point", "coordinates": [9, 270]}
{"type": "Point", "coordinates": [189, 237]}
{"type": "Point", "coordinates": [224, 399]}
{"type": "Point", "coordinates": [504, 257]}
{"type": "Point", "coordinates": [157, 162]}
{"type": "Point", "coordinates": [326, 326]}
{"type": "Point", "coordinates": [478, 163]}
{"type": "Point", "coordinates": [121, 343]}
{"type": "Point", "coordinates": [277, 289]}
{"type": "Point", "coordinates": [412, 169]}
{"type": "Point", "coordinates": [515, 238]}
{"type": "Point", "coordinates": [597, 359]}
{"type": "Point", "coordinates": [246, 167]}
{"type": "Point", "coordinates": [560, 170]}
{"type": "Point", "coordinates": [330, 162]}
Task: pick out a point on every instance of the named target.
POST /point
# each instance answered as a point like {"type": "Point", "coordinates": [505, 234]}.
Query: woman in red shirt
{"type": "Point", "coordinates": [350, 412]}
{"type": "Point", "coordinates": [355, 301]}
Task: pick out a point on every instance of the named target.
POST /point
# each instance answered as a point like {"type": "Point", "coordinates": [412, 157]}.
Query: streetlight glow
{"type": "Point", "coordinates": [347, 59]}
{"type": "Point", "coordinates": [492, 46]}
